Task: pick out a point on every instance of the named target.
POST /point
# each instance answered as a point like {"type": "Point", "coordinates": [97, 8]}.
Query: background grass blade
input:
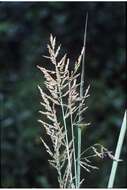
{"type": "Point", "coordinates": [117, 153]}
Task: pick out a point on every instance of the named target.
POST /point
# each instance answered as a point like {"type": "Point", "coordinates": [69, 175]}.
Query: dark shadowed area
{"type": "Point", "coordinates": [24, 33]}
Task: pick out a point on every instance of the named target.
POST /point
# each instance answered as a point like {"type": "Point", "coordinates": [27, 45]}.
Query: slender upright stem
{"type": "Point", "coordinates": [73, 138]}
{"type": "Point", "coordinates": [59, 170]}
{"type": "Point", "coordinates": [64, 121]}
{"type": "Point", "coordinates": [81, 95]}
{"type": "Point", "coordinates": [117, 153]}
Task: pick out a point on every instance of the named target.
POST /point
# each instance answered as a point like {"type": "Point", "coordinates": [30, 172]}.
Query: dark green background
{"type": "Point", "coordinates": [24, 32]}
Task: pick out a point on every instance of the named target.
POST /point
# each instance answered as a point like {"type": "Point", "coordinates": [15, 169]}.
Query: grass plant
{"type": "Point", "coordinates": [65, 98]}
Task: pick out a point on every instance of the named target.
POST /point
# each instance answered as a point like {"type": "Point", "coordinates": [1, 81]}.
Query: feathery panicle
{"type": "Point", "coordinates": [63, 92]}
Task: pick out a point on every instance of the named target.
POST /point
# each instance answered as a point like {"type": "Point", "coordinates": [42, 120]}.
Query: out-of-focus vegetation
{"type": "Point", "coordinates": [24, 32]}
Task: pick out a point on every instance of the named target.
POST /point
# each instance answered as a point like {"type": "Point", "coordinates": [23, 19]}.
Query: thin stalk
{"type": "Point", "coordinates": [81, 95]}
{"type": "Point", "coordinates": [117, 153]}
{"type": "Point", "coordinates": [72, 131]}
{"type": "Point", "coordinates": [64, 121]}
{"type": "Point", "coordinates": [59, 171]}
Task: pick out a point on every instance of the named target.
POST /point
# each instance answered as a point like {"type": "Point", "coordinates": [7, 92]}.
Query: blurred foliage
{"type": "Point", "coordinates": [24, 32]}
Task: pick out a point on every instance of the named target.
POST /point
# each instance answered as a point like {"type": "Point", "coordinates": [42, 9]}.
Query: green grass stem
{"type": "Point", "coordinates": [81, 95]}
